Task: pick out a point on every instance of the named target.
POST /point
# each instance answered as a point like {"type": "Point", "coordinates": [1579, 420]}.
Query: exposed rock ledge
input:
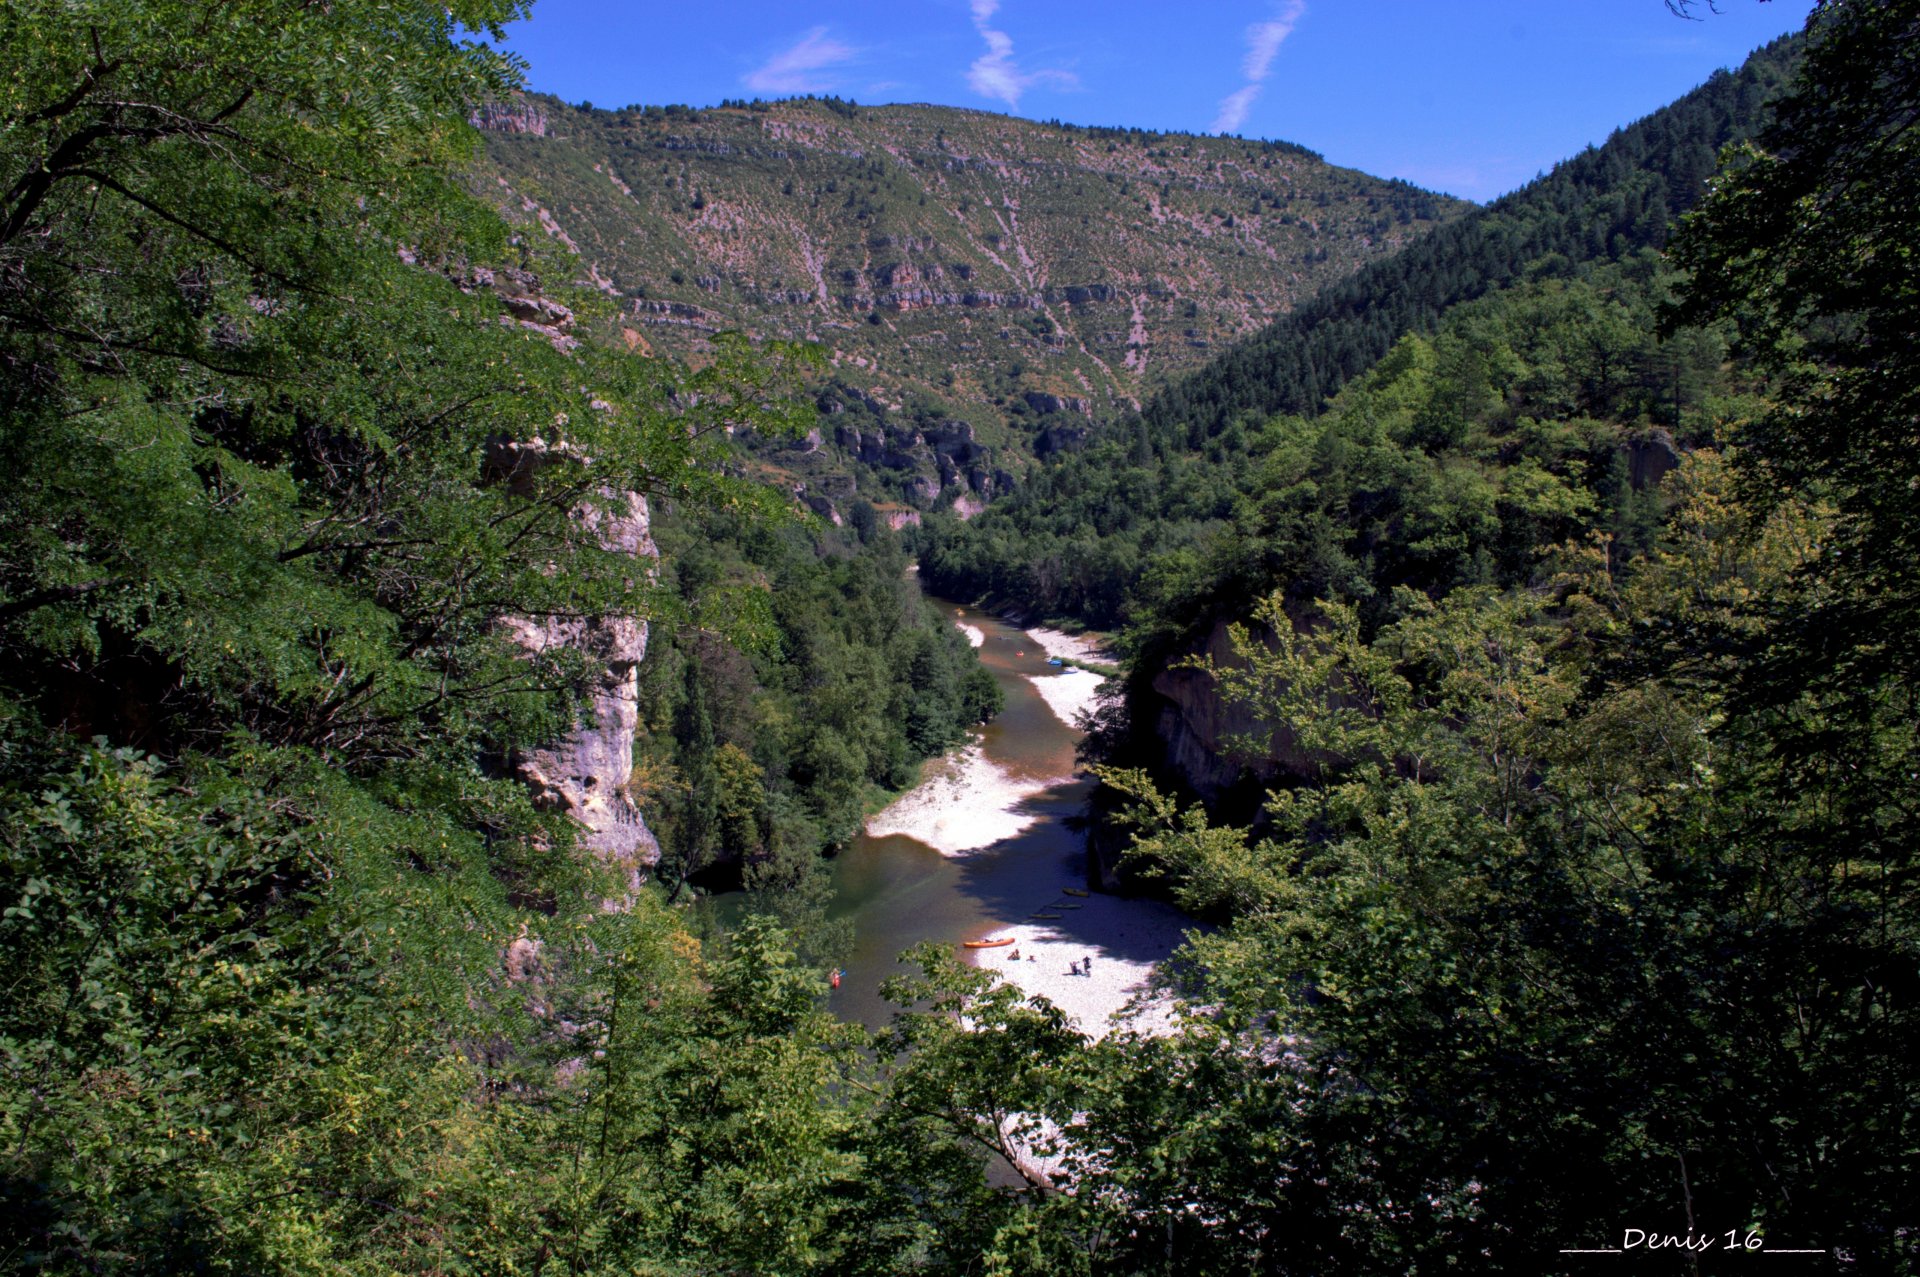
{"type": "Point", "coordinates": [1197, 726]}
{"type": "Point", "coordinates": [586, 775]}
{"type": "Point", "coordinates": [510, 117]}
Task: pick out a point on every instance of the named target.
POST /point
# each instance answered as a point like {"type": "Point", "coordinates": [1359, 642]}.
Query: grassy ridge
{"type": "Point", "coordinates": [1018, 278]}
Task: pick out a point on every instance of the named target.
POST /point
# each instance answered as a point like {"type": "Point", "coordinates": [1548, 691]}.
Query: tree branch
{"type": "Point", "coordinates": [53, 594]}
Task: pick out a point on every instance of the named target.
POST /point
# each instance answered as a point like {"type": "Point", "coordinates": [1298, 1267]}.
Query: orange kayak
{"type": "Point", "coordinates": [986, 944]}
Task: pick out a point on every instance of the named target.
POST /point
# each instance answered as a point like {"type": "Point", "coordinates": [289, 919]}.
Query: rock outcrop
{"type": "Point", "coordinates": [510, 117]}
{"type": "Point", "coordinates": [1040, 401]}
{"type": "Point", "coordinates": [1195, 728]}
{"type": "Point", "coordinates": [1651, 457]}
{"type": "Point", "coordinates": [1060, 437]}
{"type": "Point", "coordinates": [522, 302]}
{"type": "Point", "coordinates": [1195, 724]}
{"type": "Point", "coordinates": [586, 774]}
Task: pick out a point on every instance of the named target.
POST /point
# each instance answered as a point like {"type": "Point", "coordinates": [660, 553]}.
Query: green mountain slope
{"type": "Point", "coordinates": [1077, 539]}
{"type": "Point", "coordinates": [986, 286]}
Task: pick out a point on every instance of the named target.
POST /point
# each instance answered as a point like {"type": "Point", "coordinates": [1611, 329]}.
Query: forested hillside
{"type": "Point", "coordinates": [986, 287]}
{"type": "Point", "coordinates": [801, 670]}
{"type": "Point", "coordinates": [1077, 539]}
{"type": "Point", "coordinates": [1537, 431]}
{"type": "Point", "coordinates": [1573, 636]}
{"type": "Point", "coordinates": [1569, 649]}
{"type": "Point", "coordinates": [325, 566]}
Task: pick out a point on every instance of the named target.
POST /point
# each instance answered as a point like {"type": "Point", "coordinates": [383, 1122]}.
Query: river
{"type": "Point", "coordinates": [986, 843]}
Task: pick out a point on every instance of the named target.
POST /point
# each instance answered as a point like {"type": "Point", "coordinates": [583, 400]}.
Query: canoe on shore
{"type": "Point", "coordinates": [1076, 891]}
{"type": "Point", "coordinates": [985, 944]}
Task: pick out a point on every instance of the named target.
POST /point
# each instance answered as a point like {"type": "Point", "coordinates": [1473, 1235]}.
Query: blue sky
{"type": "Point", "coordinates": [1471, 97]}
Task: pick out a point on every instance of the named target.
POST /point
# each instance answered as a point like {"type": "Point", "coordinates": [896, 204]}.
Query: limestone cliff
{"type": "Point", "coordinates": [511, 117]}
{"type": "Point", "coordinates": [1194, 725]}
{"type": "Point", "coordinates": [1197, 728]}
{"type": "Point", "coordinates": [1194, 730]}
{"type": "Point", "coordinates": [586, 774]}
{"type": "Point", "coordinates": [1219, 751]}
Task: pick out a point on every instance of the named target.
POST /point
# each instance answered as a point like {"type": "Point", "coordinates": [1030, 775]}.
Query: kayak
{"type": "Point", "coordinates": [1048, 916]}
{"type": "Point", "coordinates": [1075, 891]}
{"type": "Point", "coordinates": [986, 944]}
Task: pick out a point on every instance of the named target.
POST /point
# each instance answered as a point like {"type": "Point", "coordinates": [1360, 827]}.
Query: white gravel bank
{"type": "Point", "coordinates": [966, 802]}
{"type": "Point", "coordinates": [1078, 647]}
{"type": "Point", "coordinates": [1069, 694]}
{"type": "Point", "coordinates": [1125, 939]}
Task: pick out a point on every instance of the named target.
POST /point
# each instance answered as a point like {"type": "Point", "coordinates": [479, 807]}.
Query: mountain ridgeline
{"type": "Point", "coordinates": [987, 287]}
{"type": "Point", "coordinates": [1521, 671]}
{"type": "Point", "coordinates": [1075, 540]}
{"type": "Point", "coordinates": [1522, 674]}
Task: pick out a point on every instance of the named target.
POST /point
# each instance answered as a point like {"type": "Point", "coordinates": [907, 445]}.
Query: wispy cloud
{"type": "Point", "coordinates": [1263, 42]}
{"type": "Point", "coordinates": [1485, 178]}
{"type": "Point", "coordinates": [1234, 108]}
{"type": "Point", "coordinates": [798, 69]}
{"type": "Point", "coordinates": [995, 74]}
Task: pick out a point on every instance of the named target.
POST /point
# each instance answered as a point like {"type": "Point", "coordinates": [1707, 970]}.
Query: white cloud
{"type": "Point", "coordinates": [1264, 40]}
{"type": "Point", "coordinates": [797, 70]}
{"type": "Point", "coordinates": [1233, 110]}
{"type": "Point", "coordinates": [1263, 43]}
{"type": "Point", "coordinates": [995, 74]}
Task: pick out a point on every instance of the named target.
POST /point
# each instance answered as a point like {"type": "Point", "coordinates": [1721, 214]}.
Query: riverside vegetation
{"type": "Point", "coordinates": [1567, 888]}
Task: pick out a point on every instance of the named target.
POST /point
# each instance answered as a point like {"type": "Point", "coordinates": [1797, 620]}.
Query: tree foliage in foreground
{"type": "Point", "coordinates": [1593, 908]}
{"type": "Point", "coordinates": [255, 549]}
{"type": "Point", "coordinates": [1586, 905]}
{"type": "Point", "coordinates": [1585, 901]}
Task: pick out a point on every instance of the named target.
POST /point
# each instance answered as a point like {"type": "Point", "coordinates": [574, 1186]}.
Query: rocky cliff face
{"type": "Point", "coordinates": [1196, 727]}
{"type": "Point", "coordinates": [511, 117]}
{"type": "Point", "coordinates": [1191, 732]}
{"type": "Point", "coordinates": [586, 775]}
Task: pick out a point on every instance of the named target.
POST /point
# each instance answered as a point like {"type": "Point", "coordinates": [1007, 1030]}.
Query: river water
{"type": "Point", "coordinates": [1007, 801]}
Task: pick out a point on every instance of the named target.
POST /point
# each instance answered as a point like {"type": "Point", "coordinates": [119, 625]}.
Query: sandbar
{"type": "Point", "coordinates": [1069, 694]}
{"type": "Point", "coordinates": [1125, 938]}
{"type": "Point", "coordinates": [966, 802]}
{"type": "Point", "coordinates": [1077, 647]}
